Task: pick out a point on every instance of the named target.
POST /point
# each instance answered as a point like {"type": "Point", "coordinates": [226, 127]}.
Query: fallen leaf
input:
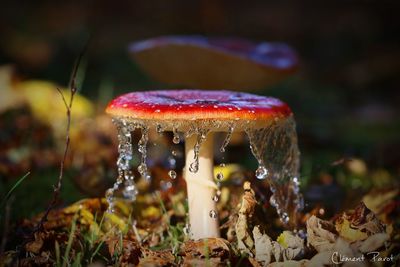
{"type": "Point", "coordinates": [376, 201]}
{"type": "Point", "coordinates": [36, 245]}
{"type": "Point", "coordinates": [207, 248]}
{"type": "Point", "coordinates": [156, 258]}
{"type": "Point", "coordinates": [267, 251]}
{"type": "Point", "coordinates": [374, 242]}
{"type": "Point", "coordinates": [245, 214]}
{"type": "Point", "coordinates": [321, 234]}
{"type": "Point", "coordinates": [128, 251]}
{"type": "Point", "coordinates": [263, 246]}
{"type": "Point", "coordinates": [358, 224]}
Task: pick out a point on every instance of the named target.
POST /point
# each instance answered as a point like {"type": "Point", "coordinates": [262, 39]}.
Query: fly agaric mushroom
{"type": "Point", "coordinates": [198, 114]}
{"type": "Point", "coordinates": [225, 62]}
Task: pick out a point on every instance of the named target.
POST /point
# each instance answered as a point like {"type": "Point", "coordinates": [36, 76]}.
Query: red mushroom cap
{"type": "Point", "coordinates": [214, 62]}
{"type": "Point", "coordinates": [185, 106]}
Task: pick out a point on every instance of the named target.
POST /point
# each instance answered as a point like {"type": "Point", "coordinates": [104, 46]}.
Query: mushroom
{"type": "Point", "coordinates": [225, 62]}
{"type": "Point", "coordinates": [198, 115]}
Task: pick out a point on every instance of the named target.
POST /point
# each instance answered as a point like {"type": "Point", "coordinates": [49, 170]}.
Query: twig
{"type": "Point", "coordinates": [57, 187]}
{"type": "Point", "coordinates": [68, 106]}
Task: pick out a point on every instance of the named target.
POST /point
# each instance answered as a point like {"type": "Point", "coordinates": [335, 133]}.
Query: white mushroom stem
{"type": "Point", "coordinates": [201, 189]}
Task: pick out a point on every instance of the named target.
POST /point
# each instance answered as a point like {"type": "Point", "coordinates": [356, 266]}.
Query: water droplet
{"type": "Point", "coordinates": [159, 128]}
{"type": "Point", "coordinates": [213, 214]}
{"type": "Point", "coordinates": [215, 198]}
{"type": "Point", "coordinates": [172, 174]}
{"type": "Point", "coordinates": [220, 176]}
{"type": "Point", "coordinates": [261, 172]}
{"type": "Point", "coordinates": [130, 192]}
{"type": "Point", "coordinates": [109, 194]}
{"type": "Point", "coordinates": [174, 153]}
{"type": "Point", "coordinates": [272, 201]}
{"type": "Point", "coordinates": [222, 165]}
{"type": "Point", "coordinates": [142, 168]}
{"type": "Point", "coordinates": [176, 139]}
{"type": "Point", "coordinates": [285, 218]}
{"type": "Point", "coordinates": [186, 229]}
{"type": "Point", "coordinates": [194, 167]}
{"type": "Point", "coordinates": [227, 139]}
{"type": "Point", "coordinates": [218, 193]}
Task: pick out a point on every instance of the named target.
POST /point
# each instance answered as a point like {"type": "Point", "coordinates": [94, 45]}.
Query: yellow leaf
{"type": "Point", "coordinates": [47, 104]}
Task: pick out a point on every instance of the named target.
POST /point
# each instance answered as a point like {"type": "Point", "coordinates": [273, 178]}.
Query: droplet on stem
{"type": "Point", "coordinates": [261, 172]}
{"type": "Point", "coordinates": [215, 198]}
{"type": "Point", "coordinates": [213, 214]}
{"type": "Point", "coordinates": [172, 174]}
{"type": "Point", "coordinates": [176, 139]}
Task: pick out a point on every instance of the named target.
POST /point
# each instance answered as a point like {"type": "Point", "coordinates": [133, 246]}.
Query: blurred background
{"type": "Point", "coordinates": [345, 96]}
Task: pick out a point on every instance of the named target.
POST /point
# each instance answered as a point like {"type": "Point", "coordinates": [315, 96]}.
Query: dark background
{"type": "Point", "coordinates": [345, 97]}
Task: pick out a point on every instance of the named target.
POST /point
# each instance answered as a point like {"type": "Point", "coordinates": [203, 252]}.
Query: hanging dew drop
{"type": "Point", "coordinates": [194, 167]}
{"type": "Point", "coordinates": [130, 192]}
{"type": "Point", "coordinates": [215, 198]}
{"type": "Point", "coordinates": [142, 168]}
{"type": "Point", "coordinates": [213, 214]}
{"type": "Point", "coordinates": [159, 128]}
{"type": "Point", "coordinates": [186, 229]}
{"type": "Point", "coordinates": [285, 218]}
{"type": "Point", "coordinates": [272, 201]}
{"type": "Point", "coordinates": [261, 172]}
{"type": "Point", "coordinates": [176, 139]}
{"type": "Point", "coordinates": [172, 174]}
{"type": "Point", "coordinates": [220, 176]}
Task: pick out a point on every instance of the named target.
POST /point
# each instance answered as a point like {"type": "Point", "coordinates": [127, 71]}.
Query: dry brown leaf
{"type": "Point", "coordinates": [378, 201]}
{"type": "Point", "coordinates": [36, 245]}
{"type": "Point", "coordinates": [128, 251]}
{"type": "Point", "coordinates": [373, 242]}
{"type": "Point", "coordinates": [207, 248]}
{"type": "Point", "coordinates": [242, 227]}
{"type": "Point", "coordinates": [321, 234]}
{"type": "Point", "coordinates": [156, 258]}
{"type": "Point", "coordinates": [263, 246]}
{"type": "Point", "coordinates": [267, 251]}
{"type": "Point", "coordinates": [358, 224]}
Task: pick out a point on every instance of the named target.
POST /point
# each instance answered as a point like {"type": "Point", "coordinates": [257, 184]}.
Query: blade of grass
{"type": "Point", "coordinates": [57, 250]}
{"type": "Point", "coordinates": [96, 251]}
{"type": "Point", "coordinates": [69, 243]}
{"type": "Point", "coordinates": [20, 180]}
